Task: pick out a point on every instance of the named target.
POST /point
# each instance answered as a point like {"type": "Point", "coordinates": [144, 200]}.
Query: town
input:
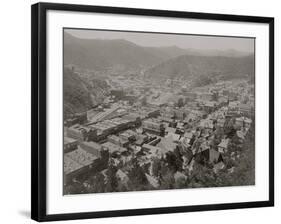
{"type": "Point", "coordinates": [151, 135]}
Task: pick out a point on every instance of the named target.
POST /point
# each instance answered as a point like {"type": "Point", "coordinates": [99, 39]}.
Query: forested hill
{"type": "Point", "coordinates": [79, 94]}
{"type": "Point", "coordinates": [191, 66]}
{"type": "Point", "coordinates": [100, 54]}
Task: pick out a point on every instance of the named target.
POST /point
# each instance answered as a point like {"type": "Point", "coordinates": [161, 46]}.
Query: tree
{"type": "Point", "coordinates": [215, 96]}
{"type": "Point", "coordinates": [74, 188]}
{"type": "Point", "coordinates": [167, 180]}
{"type": "Point", "coordinates": [179, 159]}
{"type": "Point", "coordinates": [156, 167]}
{"type": "Point", "coordinates": [137, 178]}
{"type": "Point", "coordinates": [171, 161]}
{"type": "Point", "coordinates": [97, 183]}
{"type": "Point", "coordinates": [112, 181]}
{"type": "Point", "coordinates": [180, 102]}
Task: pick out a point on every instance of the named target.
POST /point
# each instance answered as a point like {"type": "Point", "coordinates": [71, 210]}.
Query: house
{"type": "Point", "coordinates": [209, 106]}
{"type": "Point", "coordinates": [207, 155]}
{"type": "Point", "coordinates": [241, 135]}
{"type": "Point", "coordinates": [215, 156]}
{"type": "Point", "coordinates": [207, 96]}
{"type": "Point", "coordinates": [222, 100]}
{"type": "Point", "coordinates": [221, 122]}
{"type": "Point", "coordinates": [122, 177]}
{"type": "Point", "coordinates": [247, 122]}
{"type": "Point", "coordinates": [242, 122]}
{"type": "Point", "coordinates": [233, 105]}
{"type": "Point", "coordinates": [141, 139]}
{"type": "Point", "coordinates": [239, 122]}
{"type": "Point", "coordinates": [222, 147]}
{"type": "Point", "coordinates": [245, 109]}
{"type": "Point", "coordinates": [187, 139]}
{"type": "Point", "coordinates": [208, 124]}
{"type": "Point", "coordinates": [153, 181]}
{"type": "Point", "coordinates": [218, 166]}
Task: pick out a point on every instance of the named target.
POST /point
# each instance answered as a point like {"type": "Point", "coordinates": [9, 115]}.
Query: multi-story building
{"type": "Point", "coordinates": [153, 127]}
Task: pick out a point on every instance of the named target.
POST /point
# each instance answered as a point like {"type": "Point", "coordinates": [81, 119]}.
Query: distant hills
{"type": "Point", "coordinates": [102, 54]}
{"type": "Point", "coordinates": [194, 66]}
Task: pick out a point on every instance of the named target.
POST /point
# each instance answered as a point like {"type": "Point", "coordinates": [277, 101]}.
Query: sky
{"type": "Point", "coordinates": [161, 40]}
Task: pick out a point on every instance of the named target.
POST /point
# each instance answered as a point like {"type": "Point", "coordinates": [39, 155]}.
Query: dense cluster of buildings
{"type": "Point", "coordinates": [201, 123]}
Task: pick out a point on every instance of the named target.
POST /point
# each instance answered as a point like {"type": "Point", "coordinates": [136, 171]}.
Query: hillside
{"type": "Point", "coordinates": [80, 95]}
{"type": "Point", "coordinates": [98, 54]}
{"type": "Point", "coordinates": [191, 66]}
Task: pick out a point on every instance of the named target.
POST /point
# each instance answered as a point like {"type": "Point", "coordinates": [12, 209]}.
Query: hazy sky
{"type": "Point", "coordinates": [182, 41]}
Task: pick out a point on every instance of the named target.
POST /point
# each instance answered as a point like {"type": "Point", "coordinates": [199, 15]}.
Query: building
{"type": "Point", "coordinates": [245, 109]}
{"type": "Point", "coordinates": [207, 124]}
{"type": "Point", "coordinates": [78, 118]}
{"type": "Point", "coordinates": [242, 122]}
{"type": "Point", "coordinates": [134, 117]}
{"type": "Point", "coordinates": [189, 95]}
{"type": "Point", "coordinates": [233, 105]}
{"type": "Point", "coordinates": [109, 127]}
{"type": "Point", "coordinates": [154, 127]}
{"type": "Point", "coordinates": [76, 163]}
{"type": "Point", "coordinates": [239, 122]}
{"type": "Point", "coordinates": [222, 147]}
{"type": "Point", "coordinates": [247, 122]}
{"type": "Point", "coordinates": [122, 177]}
{"type": "Point", "coordinates": [96, 117]}
{"type": "Point", "coordinates": [208, 155]}
{"type": "Point", "coordinates": [209, 106]}
{"type": "Point", "coordinates": [167, 144]}
{"type": "Point", "coordinates": [206, 96]}
{"type": "Point", "coordinates": [179, 114]}
{"type": "Point", "coordinates": [187, 139]}
{"type": "Point", "coordinates": [221, 122]}
{"type": "Point", "coordinates": [152, 180]}
{"type": "Point", "coordinates": [141, 139]}
{"type": "Point", "coordinates": [113, 149]}
{"type": "Point", "coordinates": [117, 140]}
{"type": "Point", "coordinates": [153, 150]}
{"type": "Point", "coordinates": [81, 132]}
{"type": "Point", "coordinates": [218, 166]}
{"type": "Point", "coordinates": [91, 147]}
{"type": "Point", "coordinates": [69, 144]}
{"type": "Point", "coordinates": [128, 135]}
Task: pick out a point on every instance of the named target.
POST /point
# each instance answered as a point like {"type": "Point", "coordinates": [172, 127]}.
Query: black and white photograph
{"type": "Point", "coordinates": [147, 111]}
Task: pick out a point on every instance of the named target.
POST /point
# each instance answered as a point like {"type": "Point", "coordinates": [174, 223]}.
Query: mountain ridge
{"type": "Point", "coordinates": [104, 54]}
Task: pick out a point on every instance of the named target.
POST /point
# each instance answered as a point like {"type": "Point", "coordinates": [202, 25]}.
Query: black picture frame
{"type": "Point", "coordinates": [39, 122]}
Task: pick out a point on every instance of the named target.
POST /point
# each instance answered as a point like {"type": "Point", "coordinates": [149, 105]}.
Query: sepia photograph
{"type": "Point", "coordinates": [157, 111]}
